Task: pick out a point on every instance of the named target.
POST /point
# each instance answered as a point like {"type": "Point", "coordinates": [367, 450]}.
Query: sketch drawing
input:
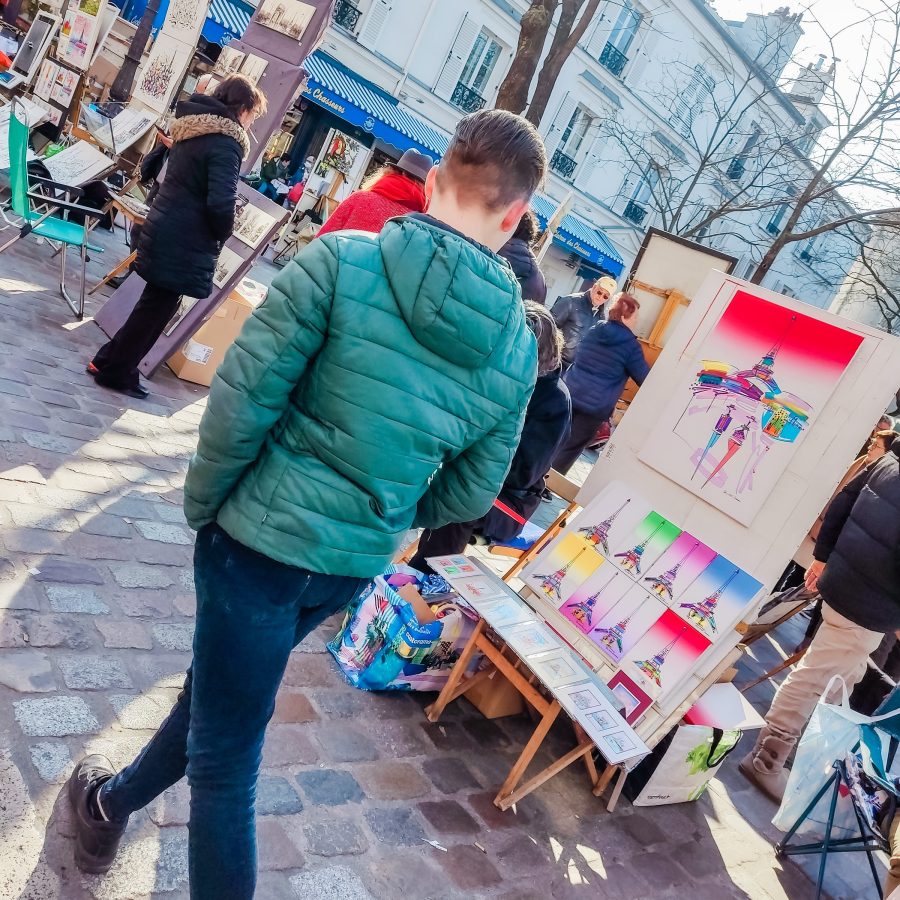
{"type": "Point", "coordinates": [252, 224]}
{"type": "Point", "coordinates": [161, 73]}
{"type": "Point", "coordinates": [253, 67]}
{"type": "Point", "coordinates": [229, 61]}
{"type": "Point", "coordinates": [77, 164]}
{"type": "Point", "coordinates": [290, 17]}
{"type": "Point", "coordinates": [226, 265]}
{"type": "Point", "coordinates": [184, 19]}
{"type": "Point", "coordinates": [759, 379]}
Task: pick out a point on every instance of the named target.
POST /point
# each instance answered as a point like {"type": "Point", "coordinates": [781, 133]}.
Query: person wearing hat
{"type": "Point", "coordinates": [394, 190]}
{"type": "Point", "coordinates": [576, 313]}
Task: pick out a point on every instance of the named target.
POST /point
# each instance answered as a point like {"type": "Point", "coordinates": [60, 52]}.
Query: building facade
{"type": "Point", "coordinates": [663, 115]}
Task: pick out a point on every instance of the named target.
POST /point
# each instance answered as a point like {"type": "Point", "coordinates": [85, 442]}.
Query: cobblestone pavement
{"type": "Point", "coordinates": [95, 630]}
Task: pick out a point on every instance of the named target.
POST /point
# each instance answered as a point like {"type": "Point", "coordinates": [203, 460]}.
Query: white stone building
{"type": "Point", "coordinates": [396, 73]}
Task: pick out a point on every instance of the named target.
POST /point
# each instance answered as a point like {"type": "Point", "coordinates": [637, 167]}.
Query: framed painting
{"type": "Point", "coordinates": [596, 597]}
{"type": "Point", "coordinates": [626, 623]}
{"type": "Point", "coordinates": [644, 545]}
{"type": "Point", "coordinates": [561, 568]}
{"type": "Point", "coordinates": [678, 567]}
{"type": "Point", "coordinates": [636, 700]}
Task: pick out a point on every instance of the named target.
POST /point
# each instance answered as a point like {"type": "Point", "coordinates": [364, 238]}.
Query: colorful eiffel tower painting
{"type": "Point", "coordinates": [653, 666]}
{"type": "Point", "coordinates": [631, 559]}
{"type": "Point", "coordinates": [663, 585]}
{"type": "Point", "coordinates": [599, 533]}
{"type": "Point", "coordinates": [582, 611]}
{"type": "Point", "coordinates": [704, 613]}
{"type": "Point", "coordinates": [613, 637]}
{"type": "Point", "coordinates": [551, 584]}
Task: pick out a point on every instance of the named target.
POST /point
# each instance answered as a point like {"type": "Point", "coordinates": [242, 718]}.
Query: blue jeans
{"type": "Point", "coordinates": [251, 612]}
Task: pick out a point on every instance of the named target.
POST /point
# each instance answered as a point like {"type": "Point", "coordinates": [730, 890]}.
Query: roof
{"type": "Point", "coordinates": [367, 106]}
{"type": "Point", "coordinates": [579, 236]}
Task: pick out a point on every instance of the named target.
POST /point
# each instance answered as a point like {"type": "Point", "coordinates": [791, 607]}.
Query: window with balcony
{"type": "Point", "coordinates": [738, 165]}
{"type": "Point", "coordinates": [573, 142]}
{"type": "Point", "coordinates": [615, 54]}
{"type": "Point", "coordinates": [690, 101]}
{"type": "Point", "coordinates": [346, 14]}
{"type": "Point", "coordinates": [636, 207]}
{"type": "Point", "coordinates": [469, 94]}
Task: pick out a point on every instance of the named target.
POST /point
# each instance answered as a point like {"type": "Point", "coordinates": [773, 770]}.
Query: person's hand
{"type": "Point", "coordinates": [813, 574]}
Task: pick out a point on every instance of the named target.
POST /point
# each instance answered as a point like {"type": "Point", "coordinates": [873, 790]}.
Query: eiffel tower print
{"type": "Point", "coordinates": [599, 534]}
{"type": "Point", "coordinates": [664, 584]}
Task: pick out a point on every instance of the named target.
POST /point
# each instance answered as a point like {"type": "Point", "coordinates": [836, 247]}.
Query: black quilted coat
{"type": "Point", "coordinates": [193, 212]}
{"type": "Point", "coordinates": [859, 542]}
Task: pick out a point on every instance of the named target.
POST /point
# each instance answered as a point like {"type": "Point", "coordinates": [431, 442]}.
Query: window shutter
{"type": "Point", "coordinates": [560, 121]}
{"type": "Point", "coordinates": [459, 54]}
{"type": "Point", "coordinates": [643, 54]}
{"type": "Point", "coordinates": [374, 23]}
{"type": "Point", "coordinates": [597, 40]}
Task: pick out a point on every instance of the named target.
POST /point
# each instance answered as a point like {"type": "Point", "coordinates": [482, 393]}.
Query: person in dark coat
{"type": "Point", "coordinates": [546, 425]}
{"type": "Point", "coordinates": [576, 313]}
{"type": "Point", "coordinates": [191, 217]}
{"type": "Point", "coordinates": [517, 252]}
{"type": "Point", "coordinates": [857, 573]}
{"type": "Point", "coordinates": [607, 357]}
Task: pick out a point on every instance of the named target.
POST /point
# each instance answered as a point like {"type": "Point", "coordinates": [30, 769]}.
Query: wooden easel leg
{"type": "Point", "coordinates": [527, 754]}
{"type": "Point", "coordinates": [433, 712]}
{"type": "Point", "coordinates": [121, 267]}
{"type": "Point", "coordinates": [617, 791]}
{"type": "Point", "coordinates": [505, 802]}
{"type": "Point", "coordinates": [604, 780]}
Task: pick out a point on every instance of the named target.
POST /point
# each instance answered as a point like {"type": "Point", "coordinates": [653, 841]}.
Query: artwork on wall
{"type": "Point", "coordinates": [717, 599]}
{"type": "Point", "coordinates": [628, 621]}
{"type": "Point", "coordinates": [290, 17]}
{"type": "Point", "coordinates": [184, 20]}
{"type": "Point", "coordinates": [636, 701]}
{"type": "Point", "coordinates": [564, 566]}
{"type": "Point", "coordinates": [252, 224]}
{"type": "Point", "coordinates": [229, 61]}
{"type": "Point", "coordinates": [46, 79]}
{"type": "Point", "coordinates": [665, 654]}
{"type": "Point", "coordinates": [644, 545]}
{"type": "Point", "coordinates": [226, 265]}
{"type": "Point", "coordinates": [678, 567]}
{"type": "Point", "coordinates": [596, 597]}
{"type": "Point", "coordinates": [253, 67]}
{"type": "Point", "coordinates": [161, 73]}
{"type": "Point", "coordinates": [759, 379]}
{"type": "Point", "coordinates": [610, 516]}
{"type": "Point", "coordinates": [64, 87]}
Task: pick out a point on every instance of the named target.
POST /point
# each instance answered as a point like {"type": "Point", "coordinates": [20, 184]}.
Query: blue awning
{"type": "Point", "coordinates": [580, 237]}
{"type": "Point", "coordinates": [359, 102]}
{"type": "Point", "coordinates": [225, 21]}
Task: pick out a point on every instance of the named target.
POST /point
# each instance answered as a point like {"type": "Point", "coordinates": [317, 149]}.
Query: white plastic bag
{"type": "Point", "coordinates": [832, 732]}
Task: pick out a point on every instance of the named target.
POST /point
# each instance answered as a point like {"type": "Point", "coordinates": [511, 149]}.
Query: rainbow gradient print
{"type": "Point", "coordinates": [678, 568]}
{"type": "Point", "coordinates": [557, 573]}
{"type": "Point", "coordinates": [627, 622]}
{"type": "Point", "coordinates": [596, 597]}
{"type": "Point", "coordinates": [644, 546]}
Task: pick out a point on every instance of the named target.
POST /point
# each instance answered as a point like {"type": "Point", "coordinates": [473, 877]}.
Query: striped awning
{"type": "Point", "coordinates": [225, 21]}
{"type": "Point", "coordinates": [361, 103]}
{"type": "Point", "coordinates": [580, 237]}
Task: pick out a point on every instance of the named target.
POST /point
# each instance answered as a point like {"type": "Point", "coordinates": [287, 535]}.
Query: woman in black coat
{"type": "Point", "coordinates": [191, 217]}
{"type": "Point", "coordinates": [517, 252]}
{"type": "Point", "coordinates": [546, 426]}
{"type": "Point", "coordinates": [608, 355]}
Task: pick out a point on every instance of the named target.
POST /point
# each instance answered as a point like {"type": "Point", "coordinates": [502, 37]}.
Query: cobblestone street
{"type": "Point", "coordinates": [360, 796]}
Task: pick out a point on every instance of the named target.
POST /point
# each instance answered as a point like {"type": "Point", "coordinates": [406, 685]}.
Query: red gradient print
{"type": "Point", "coordinates": [805, 341]}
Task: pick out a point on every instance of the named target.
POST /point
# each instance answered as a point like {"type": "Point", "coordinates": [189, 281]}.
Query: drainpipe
{"type": "Point", "coordinates": [402, 82]}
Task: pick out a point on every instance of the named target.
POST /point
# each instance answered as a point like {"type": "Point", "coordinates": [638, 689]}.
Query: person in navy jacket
{"type": "Point", "coordinates": [608, 355]}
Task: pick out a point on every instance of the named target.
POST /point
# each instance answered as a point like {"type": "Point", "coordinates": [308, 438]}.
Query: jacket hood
{"type": "Point", "coordinates": [612, 332]}
{"type": "Point", "coordinates": [459, 301]}
{"type": "Point", "coordinates": [201, 115]}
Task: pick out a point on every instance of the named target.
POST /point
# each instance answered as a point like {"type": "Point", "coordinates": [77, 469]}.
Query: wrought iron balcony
{"type": "Point", "coordinates": [563, 165]}
{"type": "Point", "coordinates": [346, 15]}
{"type": "Point", "coordinates": [467, 99]}
{"type": "Point", "coordinates": [613, 59]}
{"type": "Point", "coordinates": [736, 169]}
{"type": "Point", "coordinates": [634, 213]}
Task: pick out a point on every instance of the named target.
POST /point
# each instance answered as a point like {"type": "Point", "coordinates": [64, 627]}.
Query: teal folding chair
{"type": "Point", "coordinates": [25, 196]}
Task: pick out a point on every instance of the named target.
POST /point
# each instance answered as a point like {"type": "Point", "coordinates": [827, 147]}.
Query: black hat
{"type": "Point", "coordinates": [416, 164]}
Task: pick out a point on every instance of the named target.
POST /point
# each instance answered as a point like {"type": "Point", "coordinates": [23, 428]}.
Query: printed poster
{"type": "Point", "coordinates": [290, 17]}
{"type": "Point", "coordinates": [162, 73]}
{"type": "Point", "coordinates": [760, 379]}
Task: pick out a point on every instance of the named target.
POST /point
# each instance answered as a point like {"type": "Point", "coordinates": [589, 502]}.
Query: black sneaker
{"type": "Point", "coordinates": [96, 840]}
{"type": "Point", "coordinates": [546, 496]}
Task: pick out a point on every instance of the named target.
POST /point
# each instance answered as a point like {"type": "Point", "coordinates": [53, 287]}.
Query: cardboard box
{"type": "Point", "coordinates": [200, 356]}
{"type": "Point", "coordinates": [495, 697]}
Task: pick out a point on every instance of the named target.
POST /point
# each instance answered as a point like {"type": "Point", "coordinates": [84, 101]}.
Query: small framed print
{"type": "Point", "coordinates": [477, 588]}
{"type": "Point", "coordinates": [504, 613]}
{"type": "Point", "coordinates": [601, 720]}
{"type": "Point", "coordinates": [558, 668]}
{"type": "Point", "coordinates": [636, 700]}
{"type": "Point", "coordinates": [456, 566]}
{"type": "Point", "coordinates": [617, 746]}
{"type": "Point", "coordinates": [581, 698]}
{"type": "Point", "coordinates": [531, 638]}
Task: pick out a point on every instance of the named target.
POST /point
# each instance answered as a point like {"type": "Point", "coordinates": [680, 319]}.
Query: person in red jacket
{"type": "Point", "coordinates": [395, 190]}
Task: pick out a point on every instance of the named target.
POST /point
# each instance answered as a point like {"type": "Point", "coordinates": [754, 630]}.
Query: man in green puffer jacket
{"type": "Point", "coordinates": [381, 385]}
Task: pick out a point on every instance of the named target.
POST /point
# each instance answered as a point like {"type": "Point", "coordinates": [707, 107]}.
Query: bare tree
{"type": "Point", "coordinates": [873, 283]}
{"type": "Point", "coordinates": [574, 18]}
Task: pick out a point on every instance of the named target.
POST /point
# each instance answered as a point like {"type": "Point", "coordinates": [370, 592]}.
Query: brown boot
{"type": "Point", "coordinates": [764, 764]}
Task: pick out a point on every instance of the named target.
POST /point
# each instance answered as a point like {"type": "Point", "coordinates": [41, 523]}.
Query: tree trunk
{"type": "Point", "coordinates": [513, 93]}
{"type": "Point", "coordinates": [565, 40]}
{"type": "Point", "coordinates": [768, 260]}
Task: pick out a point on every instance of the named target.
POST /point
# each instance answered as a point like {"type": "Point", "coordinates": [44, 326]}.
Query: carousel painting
{"type": "Point", "coordinates": [760, 378]}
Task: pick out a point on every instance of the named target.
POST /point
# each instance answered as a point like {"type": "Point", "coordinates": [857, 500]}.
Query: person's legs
{"type": "Point", "coordinates": [118, 359]}
{"type": "Point", "coordinates": [584, 427]}
{"type": "Point", "coordinates": [444, 541]}
{"type": "Point", "coordinates": [839, 648]}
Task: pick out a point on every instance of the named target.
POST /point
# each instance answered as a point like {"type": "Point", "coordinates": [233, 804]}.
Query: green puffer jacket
{"type": "Point", "coordinates": [380, 386]}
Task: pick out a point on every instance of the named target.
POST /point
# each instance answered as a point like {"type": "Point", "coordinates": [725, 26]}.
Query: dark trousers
{"type": "Point", "coordinates": [251, 612]}
{"type": "Point", "coordinates": [118, 359]}
{"type": "Point", "coordinates": [444, 541]}
{"type": "Point", "coordinates": [584, 427]}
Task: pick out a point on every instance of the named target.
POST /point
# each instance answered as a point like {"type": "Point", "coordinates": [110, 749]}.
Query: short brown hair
{"type": "Point", "coordinates": [623, 307]}
{"type": "Point", "coordinates": [241, 95]}
{"type": "Point", "coordinates": [495, 158]}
